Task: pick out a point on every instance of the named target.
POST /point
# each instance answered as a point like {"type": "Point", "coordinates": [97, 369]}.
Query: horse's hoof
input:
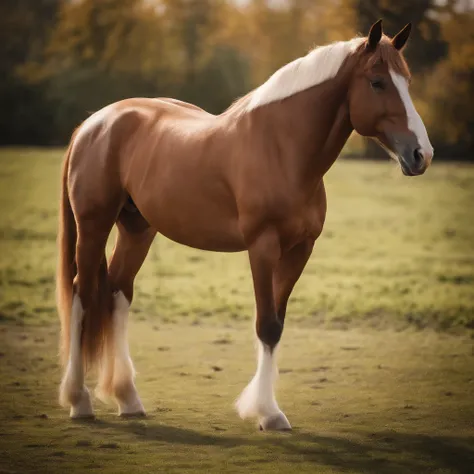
{"type": "Point", "coordinates": [137, 414]}
{"type": "Point", "coordinates": [277, 422]}
{"type": "Point", "coordinates": [85, 417]}
{"type": "Point", "coordinates": [133, 409]}
{"type": "Point", "coordinates": [83, 409]}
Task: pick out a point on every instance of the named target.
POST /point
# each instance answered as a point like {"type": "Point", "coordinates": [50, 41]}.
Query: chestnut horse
{"type": "Point", "coordinates": [248, 179]}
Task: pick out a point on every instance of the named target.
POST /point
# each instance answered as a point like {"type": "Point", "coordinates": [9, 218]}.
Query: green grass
{"type": "Point", "coordinates": [359, 401]}
{"type": "Point", "coordinates": [396, 255]}
{"type": "Point", "coordinates": [395, 252]}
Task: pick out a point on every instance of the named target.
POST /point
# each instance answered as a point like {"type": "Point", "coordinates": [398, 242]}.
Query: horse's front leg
{"type": "Point", "coordinates": [275, 275]}
{"type": "Point", "coordinates": [288, 271]}
{"type": "Point", "coordinates": [258, 398]}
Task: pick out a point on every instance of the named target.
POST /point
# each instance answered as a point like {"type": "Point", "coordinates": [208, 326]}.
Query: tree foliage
{"type": "Point", "coordinates": [61, 60]}
{"type": "Point", "coordinates": [449, 89]}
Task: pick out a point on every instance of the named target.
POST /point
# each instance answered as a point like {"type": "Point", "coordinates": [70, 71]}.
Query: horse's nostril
{"type": "Point", "coordinates": [418, 156]}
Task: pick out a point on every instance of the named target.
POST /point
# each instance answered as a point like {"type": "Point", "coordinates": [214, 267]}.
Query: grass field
{"type": "Point", "coordinates": [377, 358]}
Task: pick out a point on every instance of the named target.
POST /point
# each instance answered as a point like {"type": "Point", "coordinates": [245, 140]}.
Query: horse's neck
{"type": "Point", "coordinates": [309, 129]}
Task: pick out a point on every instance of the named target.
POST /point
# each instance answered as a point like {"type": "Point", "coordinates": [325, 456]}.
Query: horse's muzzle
{"type": "Point", "coordinates": [412, 162]}
{"type": "Point", "coordinates": [413, 159]}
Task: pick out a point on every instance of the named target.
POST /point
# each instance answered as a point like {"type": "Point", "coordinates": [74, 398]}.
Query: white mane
{"type": "Point", "coordinates": [317, 66]}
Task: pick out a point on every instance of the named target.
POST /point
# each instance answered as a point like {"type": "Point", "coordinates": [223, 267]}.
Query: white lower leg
{"type": "Point", "coordinates": [258, 398]}
{"type": "Point", "coordinates": [123, 372]}
{"type": "Point", "coordinates": [73, 392]}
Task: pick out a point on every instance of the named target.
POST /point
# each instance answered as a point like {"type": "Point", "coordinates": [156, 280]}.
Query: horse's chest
{"type": "Point", "coordinates": [300, 225]}
{"type": "Point", "coordinates": [313, 222]}
{"type": "Point", "coordinates": [310, 222]}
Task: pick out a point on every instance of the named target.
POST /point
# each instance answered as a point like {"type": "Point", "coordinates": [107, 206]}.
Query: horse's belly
{"type": "Point", "coordinates": [202, 227]}
{"type": "Point", "coordinates": [217, 240]}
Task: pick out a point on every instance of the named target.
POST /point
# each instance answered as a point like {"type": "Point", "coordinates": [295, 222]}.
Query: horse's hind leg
{"type": "Point", "coordinates": [88, 307]}
{"type": "Point", "coordinates": [73, 393]}
{"type": "Point", "coordinates": [117, 373]}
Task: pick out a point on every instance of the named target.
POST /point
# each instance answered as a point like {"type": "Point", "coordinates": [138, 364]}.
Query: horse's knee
{"type": "Point", "coordinates": [269, 331]}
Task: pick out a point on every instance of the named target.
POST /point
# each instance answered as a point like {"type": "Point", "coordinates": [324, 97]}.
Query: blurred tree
{"type": "Point", "coordinates": [448, 96]}
{"type": "Point", "coordinates": [98, 53]}
{"type": "Point", "coordinates": [101, 52]}
{"type": "Point", "coordinates": [222, 79]}
{"type": "Point", "coordinates": [426, 45]}
{"type": "Point", "coordinates": [24, 31]}
{"type": "Point", "coordinates": [60, 60]}
{"type": "Point", "coordinates": [275, 36]}
{"type": "Point", "coordinates": [189, 25]}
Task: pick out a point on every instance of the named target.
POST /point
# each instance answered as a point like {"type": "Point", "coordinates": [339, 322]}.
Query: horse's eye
{"type": "Point", "coordinates": [377, 84]}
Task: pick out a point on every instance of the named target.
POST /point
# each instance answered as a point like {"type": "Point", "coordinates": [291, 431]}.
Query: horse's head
{"type": "Point", "coordinates": [380, 104]}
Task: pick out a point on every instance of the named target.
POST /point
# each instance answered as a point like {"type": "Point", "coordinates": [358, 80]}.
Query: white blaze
{"type": "Point", "coordinates": [415, 124]}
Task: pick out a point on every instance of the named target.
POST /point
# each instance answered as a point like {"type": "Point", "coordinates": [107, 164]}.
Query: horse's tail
{"type": "Point", "coordinates": [67, 269]}
{"type": "Point", "coordinates": [97, 316]}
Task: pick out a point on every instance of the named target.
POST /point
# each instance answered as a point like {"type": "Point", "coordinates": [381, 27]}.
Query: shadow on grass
{"type": "Point", "coordinates": [383, 452]}
{"type": "Point", "coordinates": [387, 452]}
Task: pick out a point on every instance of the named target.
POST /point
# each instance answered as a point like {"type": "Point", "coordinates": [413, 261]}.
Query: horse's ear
{"type": "Point", "coordinates": [375, 34]}
{"type": "Point", "coordinates": [401, 38]}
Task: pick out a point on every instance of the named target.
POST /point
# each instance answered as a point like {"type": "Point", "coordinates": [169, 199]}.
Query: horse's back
{"type": "Point", "coordinates": [107, 139]}
{"type": "Point", "coordinates": [121, 119]}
